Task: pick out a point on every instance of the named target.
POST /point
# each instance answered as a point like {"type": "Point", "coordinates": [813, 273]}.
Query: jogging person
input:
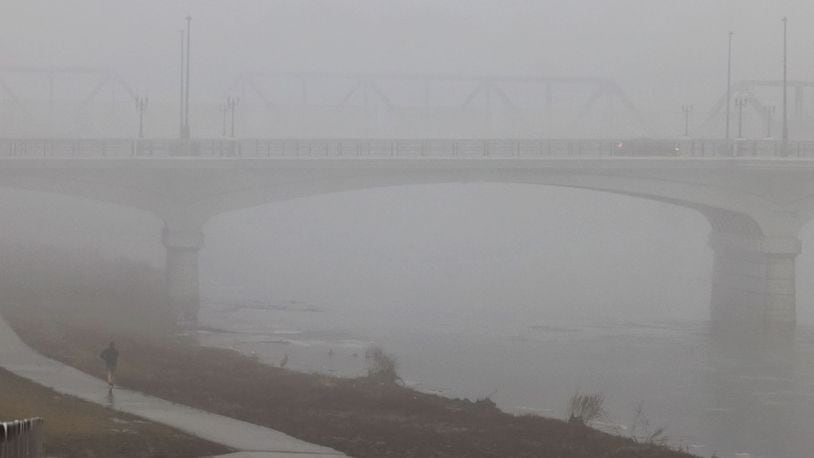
{"type": "Point", "coordinates": [111, 357]}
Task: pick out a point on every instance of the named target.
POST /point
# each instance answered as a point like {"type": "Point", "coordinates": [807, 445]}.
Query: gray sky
{"type": "Point", "coordinates": [664, 52]}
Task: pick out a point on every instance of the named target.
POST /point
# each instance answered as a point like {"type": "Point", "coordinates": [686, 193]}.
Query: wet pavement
{"type": "Point", "coordinates": [251, 441]}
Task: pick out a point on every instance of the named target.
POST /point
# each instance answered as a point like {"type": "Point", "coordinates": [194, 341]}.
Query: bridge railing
{"type": "Point", "coordinates": [21, 438]}
{"type": "Point", "coordinates": [400, 148]}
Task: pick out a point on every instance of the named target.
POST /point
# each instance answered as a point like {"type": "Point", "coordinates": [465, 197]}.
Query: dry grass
{"type": "Point", "coordinates": [586, 408]}
{"type": "Point", "coordinates": [381, 366]}
{"type": "Point", "coordinates": [75, 428]}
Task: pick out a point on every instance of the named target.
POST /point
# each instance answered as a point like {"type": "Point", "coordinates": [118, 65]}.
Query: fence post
{"type": "Point", "coordinates": [21, 438]}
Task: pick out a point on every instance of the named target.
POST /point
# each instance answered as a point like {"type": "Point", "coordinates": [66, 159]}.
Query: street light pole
{"type": "Point", "coordinates": [740, 102]}
{"type": "Point", "coordinates": [181, 90]}
{"type": "Point", "coordinates": [223, 109]}
{"type": "Point", "coordinates": [687, 109]}
{"type": "Point", "coordinates": [785, 89]}
{"type": "Point", "coordinates": [187, 134]}
{"type": "Point", "coordinates": [232, 103]}
{"type": "Point", "coordinates": [770, 110]}
{"type": "Point", "coordinates": [729, 86]}
{"type": "Point", "coordinates": [141, 105]}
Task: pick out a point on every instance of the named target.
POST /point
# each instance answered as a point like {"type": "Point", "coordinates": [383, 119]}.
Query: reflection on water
{"type": "Point", "coordinates": [110, 399]}
{"type": "Point", "coordinates": [744, 396]}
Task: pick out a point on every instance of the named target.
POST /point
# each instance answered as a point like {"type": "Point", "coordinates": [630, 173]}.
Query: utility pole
{"type": "Point", "coordinates": [51, 102]}
{"type": "Point", "coordinates": [770, 110]}
{"type": "Point", "coordinates": [181, 90]}
{"type": "Point", "coordinates": [224, 109]}
{"type": "Point", "coordinates": [186, 134]}
{"type": "Point", "coordinates": [729, 86]}
{"type": "Point", "coordinates": [740, 102]}
{"type": "Point", "coordinates": [785, 147]}
{"type": "Point", "coordinates": [231, 104]}
{"type": "Point", "coordinates": [141, 106]}
{"type": "Point", "coordinates": [687, 109]}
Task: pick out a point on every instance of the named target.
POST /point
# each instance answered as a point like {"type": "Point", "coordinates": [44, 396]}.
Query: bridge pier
{"type": "Point", "coordinates": [181, 273]}
{"type": "Point", "coordinates": [753, 282]}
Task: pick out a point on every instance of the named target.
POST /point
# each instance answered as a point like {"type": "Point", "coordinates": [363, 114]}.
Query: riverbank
{"type": "Point", "coordinates": [80, 429]}
{"type": "Point", "coordinates": [361, 417]}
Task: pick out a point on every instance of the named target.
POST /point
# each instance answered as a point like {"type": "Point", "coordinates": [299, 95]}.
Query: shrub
{"type": "Point", "coordinates": [381, 366]}
{"type": "Point", "coordinates": [586, 408]}
{"type": "Point", "coordinates": [486, 402]}
{"type": "Point", "coordinates": [642, 433]}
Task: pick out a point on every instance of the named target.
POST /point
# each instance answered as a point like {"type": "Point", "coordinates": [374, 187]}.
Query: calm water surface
{"type": "Point", "coordinates": [734, 400]}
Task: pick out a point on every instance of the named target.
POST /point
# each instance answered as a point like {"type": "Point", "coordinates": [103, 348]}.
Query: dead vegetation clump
{"type": "Point", "coordinates": [586, 408]}
{"type": "Point", "coordinates": [381, 366]}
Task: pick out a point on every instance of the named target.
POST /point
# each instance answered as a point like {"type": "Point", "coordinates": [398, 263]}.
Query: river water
{"type": "Point", "coordinates": [711, 397]}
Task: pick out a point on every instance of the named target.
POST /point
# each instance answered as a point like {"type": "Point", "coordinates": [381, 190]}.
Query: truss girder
{"type": "Point", "coordinates": [480, 91]}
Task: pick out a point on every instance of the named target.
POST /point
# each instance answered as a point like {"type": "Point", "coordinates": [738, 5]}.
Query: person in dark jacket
{"type": "Point", "coordinates": [111, 357]}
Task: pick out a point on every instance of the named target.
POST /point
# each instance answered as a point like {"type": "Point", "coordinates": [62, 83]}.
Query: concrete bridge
{"type": "Point", "coordinates": [756, 195]}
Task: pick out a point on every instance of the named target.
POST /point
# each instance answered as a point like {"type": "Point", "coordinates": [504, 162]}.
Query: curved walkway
{"type": "Point", "coordinates": [251, 441]}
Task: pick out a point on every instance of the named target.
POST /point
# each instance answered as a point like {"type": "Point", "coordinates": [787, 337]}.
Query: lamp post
{"type": "Point", "coordinates": [231, 104]}
{"type": "Point", "coordinates": [687, 109]}
{"type": "Point", "coordinates": [181, 90]}
{"type": "Point", "coordinates": [740, 102]}
{"type": "Point", "coordinates": [729, 86]}
{"type": "Point", "coordinates": [785, 146]}
{"type": "Point", "coordinates": [224, 109]}
{"type": "Point", "coordinates": [141, 106]}
{"type": "Point", "coordinates": [186, 134]}
{"type": "Point", "coordinates": [770, 110]}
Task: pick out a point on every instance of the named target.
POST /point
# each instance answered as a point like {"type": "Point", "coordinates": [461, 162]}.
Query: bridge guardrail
{"type": "Point", "coordinates": [399, 148]}
{"type": "Point", "coordinates": [21, 438]}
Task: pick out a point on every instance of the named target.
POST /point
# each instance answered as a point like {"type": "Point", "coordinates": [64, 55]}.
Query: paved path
{"type": "Point", "coordinates": [252, 441]}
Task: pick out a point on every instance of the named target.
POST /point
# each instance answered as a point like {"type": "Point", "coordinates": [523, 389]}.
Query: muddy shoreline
{"type": "Point", "coordinates": [363, 417]}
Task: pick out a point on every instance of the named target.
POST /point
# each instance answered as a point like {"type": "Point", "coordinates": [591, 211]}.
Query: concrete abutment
{"type": "Point", "coordinates": [181, 276]}
{"type": "Point", "coordinates": [753, 282]}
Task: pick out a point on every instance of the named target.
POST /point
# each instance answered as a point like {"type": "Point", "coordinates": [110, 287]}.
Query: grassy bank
{"type": "Point", "coordinates": [79, 429]}
{"type": "Point", "coordinates": [361, 417]}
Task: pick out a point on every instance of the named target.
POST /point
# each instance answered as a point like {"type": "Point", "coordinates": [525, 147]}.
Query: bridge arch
{"type": "Point", "coordinates": [753, 285]}
{"type": "Point", "coordinates": [744, 214]}
{"type": "Point", "coordinates": [754, 242]}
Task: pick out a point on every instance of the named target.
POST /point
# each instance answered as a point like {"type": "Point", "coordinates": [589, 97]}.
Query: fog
{"type": "Point", "coordinates": [512, 253]}
{"type": "Point", "coordinates": [507, 253]}
{"type": "Point", "coordinates": [485, 257]}
{"type": "Point", "coordinates": [505, 250]}
{"type": "Point", "coordinates": [662, 54]}
{"type": "Point", "coordinates": [665, 53]}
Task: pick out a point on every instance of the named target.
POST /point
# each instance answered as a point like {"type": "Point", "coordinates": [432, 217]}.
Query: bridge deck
{"type": "Point", "coordinates": [401, 148]}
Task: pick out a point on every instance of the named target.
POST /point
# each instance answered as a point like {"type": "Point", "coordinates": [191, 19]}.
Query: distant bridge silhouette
{"type": "Point", "coordinates": [755, 195]}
